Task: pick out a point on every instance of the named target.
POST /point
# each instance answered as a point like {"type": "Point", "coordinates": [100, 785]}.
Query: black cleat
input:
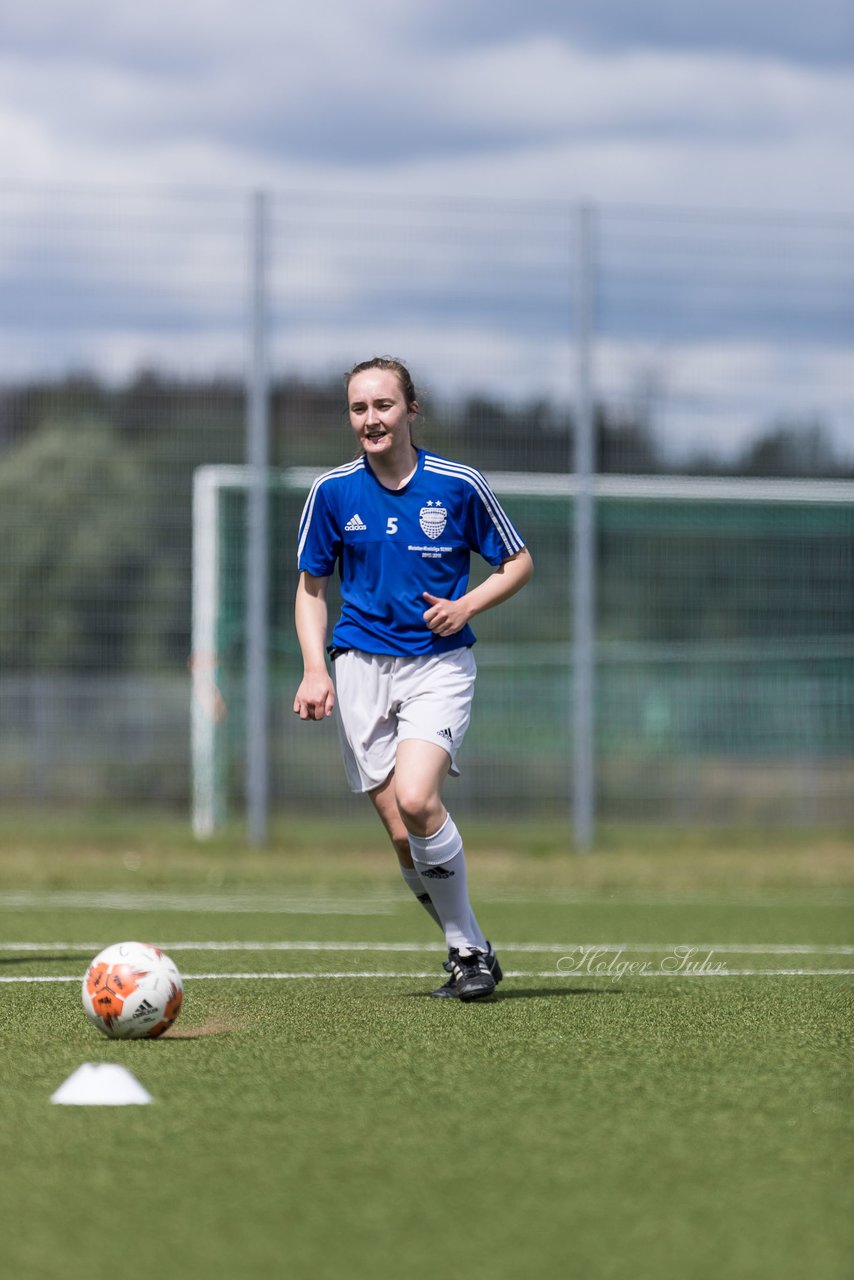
{"type": "Point", "coordinates": [478, 984]}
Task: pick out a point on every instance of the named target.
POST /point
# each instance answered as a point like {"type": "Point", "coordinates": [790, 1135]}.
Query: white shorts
{"type": "Point", "coordinates": [382, 700]}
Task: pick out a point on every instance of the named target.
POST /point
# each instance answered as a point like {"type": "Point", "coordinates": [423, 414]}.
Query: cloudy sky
{"type": "Point", "coordinates": [734, 103]}
{"type": "Point", "coordinates": [729, 106]}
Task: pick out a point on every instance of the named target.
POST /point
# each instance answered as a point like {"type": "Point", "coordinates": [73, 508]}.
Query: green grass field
{"type": "Point", "coordinates": [609, 1114]}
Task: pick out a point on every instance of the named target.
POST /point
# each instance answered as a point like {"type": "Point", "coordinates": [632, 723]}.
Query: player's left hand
{"type": "Point", "coordinates": [445, 617]}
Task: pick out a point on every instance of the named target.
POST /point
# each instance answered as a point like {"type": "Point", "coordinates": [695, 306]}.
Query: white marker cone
{"type": "Point", "coordinates": [101, 1084]}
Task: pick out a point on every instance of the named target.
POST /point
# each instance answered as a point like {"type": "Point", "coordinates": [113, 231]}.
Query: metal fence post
{"type": "Point", "coordinates": [257, 553]}
{"type": "Point", "coordinates": [584, 545]}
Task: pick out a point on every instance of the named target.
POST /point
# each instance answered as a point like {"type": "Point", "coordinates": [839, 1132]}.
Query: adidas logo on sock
{"type": "Point", "coordinates": [355, 524]}
{"type": "Point", "coordinates": [436, 873]}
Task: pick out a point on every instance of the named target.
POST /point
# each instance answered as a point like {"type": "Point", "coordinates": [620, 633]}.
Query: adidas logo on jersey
{"type": "Point", "coordinates": [355, 524]}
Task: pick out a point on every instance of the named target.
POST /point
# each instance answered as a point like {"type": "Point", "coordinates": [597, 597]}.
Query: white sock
{"type": "Point", "coordinates": [441, 865]}
{"type": "Point", "coordinates": [413, 882]}
{"type": "Point", "coordinates": [477, 933]}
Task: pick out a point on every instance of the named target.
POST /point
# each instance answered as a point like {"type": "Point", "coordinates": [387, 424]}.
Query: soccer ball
{"type": "Point", "coordinates": [132, 991]}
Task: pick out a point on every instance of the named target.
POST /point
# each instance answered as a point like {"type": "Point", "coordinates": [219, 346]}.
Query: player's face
{"type": "Point", "coordinates": [379, 414]}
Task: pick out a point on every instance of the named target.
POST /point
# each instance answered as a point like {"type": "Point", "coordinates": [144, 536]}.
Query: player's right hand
{"type": "Point", "coordinates": [315, 697]}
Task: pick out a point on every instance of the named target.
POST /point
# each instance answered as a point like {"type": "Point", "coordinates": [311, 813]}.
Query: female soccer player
{"type": "Point", "coordinates": [401, 523]}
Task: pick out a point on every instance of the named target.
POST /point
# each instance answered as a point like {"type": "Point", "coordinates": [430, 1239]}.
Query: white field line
{"type": "Point", "coordinates": [195, 903]}
{"type": "Point", "coordinates": [580, 952]}
{"type": "Point", "coordinates": [635, 948]}
{"type": "Point", "coordinates": [544, 973]}
{"type": "Point", "coordinates": [517, 973]}
{"type": "Point", "coordinates": [746, 899]}
{"type": "Point", "coordinates": [379, 904]}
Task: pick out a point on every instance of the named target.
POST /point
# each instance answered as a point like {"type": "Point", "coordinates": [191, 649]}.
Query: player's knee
{"type": "Point", "coordinates": [418, 807]}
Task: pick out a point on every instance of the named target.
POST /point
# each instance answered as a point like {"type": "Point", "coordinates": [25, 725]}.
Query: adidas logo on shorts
{"type": "Point", "coordinates": [355, 524]}
{"type": "Point", "coordinates": [445, 733]}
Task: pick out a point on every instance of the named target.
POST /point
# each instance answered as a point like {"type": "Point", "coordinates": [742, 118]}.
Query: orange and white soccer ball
{"type": "Point", "coordinates": [132, 991]}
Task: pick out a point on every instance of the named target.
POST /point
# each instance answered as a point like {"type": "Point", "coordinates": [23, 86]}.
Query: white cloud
{"type": "Point", "coordinates": [802, 175]}
{"type": "Point", "coordinates": [548, 86]}
{"type": "Point", "coordinates": [347, 95]}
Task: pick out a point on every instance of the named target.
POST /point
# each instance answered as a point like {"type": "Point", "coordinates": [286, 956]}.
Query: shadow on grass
{"type": "Point", "coordinates": [534, 993]}
{"type": "Point", "coordinates": [41, 958]}
{"type": "Point", "coordinates": [196, 1033]}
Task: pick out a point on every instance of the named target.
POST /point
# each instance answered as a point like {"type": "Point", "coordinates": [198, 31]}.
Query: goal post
{"type": "Point", "coordinates": [206, 705]}
{"type": "Point", "coordinates": [220, 520]}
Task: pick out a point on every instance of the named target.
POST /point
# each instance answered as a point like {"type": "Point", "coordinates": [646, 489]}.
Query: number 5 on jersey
{"type": "Point", "coordinates": [391, 525]}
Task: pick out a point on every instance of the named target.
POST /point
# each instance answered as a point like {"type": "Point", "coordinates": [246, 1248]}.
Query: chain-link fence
{"type": "Point", "coordinates": [724, 654]}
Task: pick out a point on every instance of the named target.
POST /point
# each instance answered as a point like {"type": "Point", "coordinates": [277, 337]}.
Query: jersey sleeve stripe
{"type": "Point", "coordinates": [308, 509]}
{"type": "Point", "coordinates": [506, 530]}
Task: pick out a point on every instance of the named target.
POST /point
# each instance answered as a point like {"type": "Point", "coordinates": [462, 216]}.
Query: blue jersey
{"type": "Point", "coordinates": [390, 545]}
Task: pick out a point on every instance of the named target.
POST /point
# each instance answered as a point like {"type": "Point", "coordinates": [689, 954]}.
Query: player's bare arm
{"type": "Point", "coordinates": [315, 696]}
{"type": "Point", "coordinates": [447, 617]}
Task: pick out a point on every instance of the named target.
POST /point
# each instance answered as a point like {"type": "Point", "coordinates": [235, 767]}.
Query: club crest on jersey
{"type": "Point", "coordinates": [433, 519]}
